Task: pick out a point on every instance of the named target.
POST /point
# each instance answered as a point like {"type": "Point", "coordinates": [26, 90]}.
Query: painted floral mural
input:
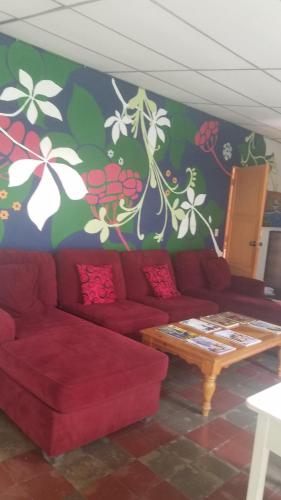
{"type": "Point", "coordinates": [88, 160]}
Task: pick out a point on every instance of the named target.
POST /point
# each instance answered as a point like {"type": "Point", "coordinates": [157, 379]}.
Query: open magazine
{"type": "Point", "coordinates": [220, 320]}
{"type": "Point", "coordinates": [264, 325]}
{"type": "Point", "coordinates": [227, 319]}
{"type": "Point", "coordinates": [177, 332]}
{"type": "Point", "coordinates": [211, 345]}
{"type": "Point", "coordinates": [238, 338]}
{"type": "Point", "coordinates": [200, 325]}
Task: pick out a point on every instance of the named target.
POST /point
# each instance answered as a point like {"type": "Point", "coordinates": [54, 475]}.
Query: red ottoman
{"type": "Point", "coordinates": [70, 387]}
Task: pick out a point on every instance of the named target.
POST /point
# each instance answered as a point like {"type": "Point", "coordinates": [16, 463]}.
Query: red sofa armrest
{"type": "Point", "coordinates": [247, 286]}
{"type": "Point", "coordinates": [7, 327]}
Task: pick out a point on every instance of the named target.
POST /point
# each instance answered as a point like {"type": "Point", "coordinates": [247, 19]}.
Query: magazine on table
{"type": "Point", "coordinates": [177, 332]}
{"type": "Point", "coordinates": [238, 338]}
{"type": "Point", "coordinates": [264, 325]}
{"type": "Point", "coordinates": [211, 345]}
{"type": "Point", "coordinates": [238, 318]}
{"type": "Point", "coordinates": [200, 325]}
{"type": "Point", "coordinates": [220, 320]}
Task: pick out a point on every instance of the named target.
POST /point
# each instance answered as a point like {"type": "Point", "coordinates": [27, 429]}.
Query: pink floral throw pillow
{"type": "Point", "coordinates": [161, 281]}
{"type": "Point", "coordinates": [96, 284]}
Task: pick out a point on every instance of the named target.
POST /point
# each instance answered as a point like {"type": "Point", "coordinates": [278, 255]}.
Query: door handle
{"type": "Point", "coordinates": [254, 243]}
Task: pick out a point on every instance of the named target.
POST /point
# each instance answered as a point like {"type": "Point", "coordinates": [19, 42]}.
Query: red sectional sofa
{"type": "Point", "coordinates": [242, 295]}
{"type": "Point", "coordinates": [66, 381]}
{"type": "Point", "coordinates": [63, 380]}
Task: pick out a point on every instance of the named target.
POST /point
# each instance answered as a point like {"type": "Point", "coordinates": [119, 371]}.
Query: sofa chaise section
{"type": "Point", "coordinates": [70, 387]}
{"type": "Point", "coordinates": [125, 316]}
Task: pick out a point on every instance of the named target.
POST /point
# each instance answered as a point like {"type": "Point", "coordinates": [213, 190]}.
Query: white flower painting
{"type": "Point", "coordinates": [34, 96]}
{"type": "Point", "coordinates": [46, 199]}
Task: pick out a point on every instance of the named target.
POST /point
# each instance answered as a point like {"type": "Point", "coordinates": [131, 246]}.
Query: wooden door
{"type": "Point", "coordinates": [244, 218]}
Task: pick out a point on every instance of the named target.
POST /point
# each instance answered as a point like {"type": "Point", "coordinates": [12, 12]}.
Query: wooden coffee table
{"type": "Point", "coordinates": [209, 363]}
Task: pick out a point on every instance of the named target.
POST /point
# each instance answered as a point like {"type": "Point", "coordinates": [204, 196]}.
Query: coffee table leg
{"type": "Point", "coordinates": [279, 363]}
{"type": "Point", "coordinates": [209, 388]}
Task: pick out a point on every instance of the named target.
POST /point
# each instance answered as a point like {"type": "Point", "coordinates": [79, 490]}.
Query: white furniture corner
{"type": "Point", "coordinates": [267, 404]}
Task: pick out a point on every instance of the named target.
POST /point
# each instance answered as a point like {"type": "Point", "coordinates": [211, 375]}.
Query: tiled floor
{"type": "Point", "coordinates": [177, 455]}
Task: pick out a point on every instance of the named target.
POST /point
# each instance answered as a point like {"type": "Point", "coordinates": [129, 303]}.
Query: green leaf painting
{"type": "Point", "coordinates": [24, 56]}
{"type": "Point", "coordinates": [70, 219]}
{"type": "Point", "coordinates": [85, 118]}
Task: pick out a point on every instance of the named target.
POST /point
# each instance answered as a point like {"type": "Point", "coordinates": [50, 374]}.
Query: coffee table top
{"type": "Point", "coordinates": [155, 338]}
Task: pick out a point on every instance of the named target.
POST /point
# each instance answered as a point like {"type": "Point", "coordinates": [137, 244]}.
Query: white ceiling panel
{"type": "Point", "coordinates": [255, 84]}
{"type": "Point", "coordinates": [260, 113]}
{"type": "Point", "coordinates": [162, 88]}
{"type": "Point", "coordinates": [150, 25]}
{"type": "Point", "coordinates": [21, 8]}
{"type": "Point", "coordinates": [208, 90]}
{"type": "Point", "coordinates": [36, 36]}
{"type": "Point", "coordinates": [4, 17]}
{"type": "Point", "coordinates": [69, 3]}
{"type": "Point", "coordinates": [251, 28]}
{"type": "Point", "coordinates": [73, 26]}
{"type": "Point", "coordinates": [225, 114]}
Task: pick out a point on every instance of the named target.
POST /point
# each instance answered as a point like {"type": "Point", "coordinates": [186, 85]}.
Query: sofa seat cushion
{"type": "Point", "coordinates": [227, 300]}
{"type": "Point", "coordinates": [49, 321]}
{"type": "Point", "coordinates": [72, 370]}
{"type": "Point", "coordinates": [182, 307]}
{"type": "Point", "coordinates": [124, 316]}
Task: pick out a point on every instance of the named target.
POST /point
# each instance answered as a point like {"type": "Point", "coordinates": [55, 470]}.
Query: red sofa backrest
{"type": "Point", "coordinates": [47, 284]}
{"type": "Point", "coordinates": [133, 262]}
{"type": "Point", "coordinates": [69, 289]}
{"type": "Point", "coordinates": [188, 269]}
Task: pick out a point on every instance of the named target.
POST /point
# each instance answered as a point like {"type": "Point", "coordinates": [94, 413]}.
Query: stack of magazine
{"type": "Point", "coordinates": [200, 325]}
{"type": "Point", "coordinates": [227, 319]}
{"type": "Point", "coordinates": [211, 345]}
{"type": "Point", "coordinates": [176, 331]}
{"type": "Point", "coordinates": [194, 338]}
{"type": "Point", "coordinates": [237, 338]}
{"type": "Point", "coordinates": [264, 325]}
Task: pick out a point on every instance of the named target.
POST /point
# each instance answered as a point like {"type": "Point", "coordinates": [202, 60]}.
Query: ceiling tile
{"type": "Point", "coordinates": [72, 2]}
{"type": "Point", "coordinates": [207, 89]}
{"type": "Point", "coordinates": [251, 28]}
{"type": "Point", "coordinates": [264, 115]}
{"type": "Point", "coordinates": [4, 17]}
{"type": "Point", "coordinates": [255, 84]}
{"type": "Point", "coordinates": [225, 114]}
{"type": "Point", "coordinates": [25, 31]}
{"type": "Point", "coordinates": [73, 26]}
{"type": "Point", "coordinates": [20, 8]}
{"type": "Point", "coordinates": [156, 28]}
{"type": "Point", "coordinates": [162, 88]}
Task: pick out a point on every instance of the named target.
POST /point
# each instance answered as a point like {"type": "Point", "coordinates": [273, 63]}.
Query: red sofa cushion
{"type": "Point", "coordinates": [179, 308]}
{"type": "Point", "coordinates": [71, 370]}
{"type": "Point", "coordinates": [217, 272]}
{"type": "Point", "coordinates": [96, 284]}
{"type": "Point", "coordinates": [133, 263]}
{"type": "Point", "coordinates": [188, 269]}
{"type": "Point", "coordinates": [124, 316]}
{"type": "Point", "coordinates": [229, 300]}
{"type": "Point", "coordinates": [161, 281]}
{"type": "Point", "coordinates": [44, 262]}
{"type": "Point", "coordinates": [7, 327]}
{"type": "Point", "coordinates": [69, 289]}
{"type": "Point", "coordinates": [19, 289]}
